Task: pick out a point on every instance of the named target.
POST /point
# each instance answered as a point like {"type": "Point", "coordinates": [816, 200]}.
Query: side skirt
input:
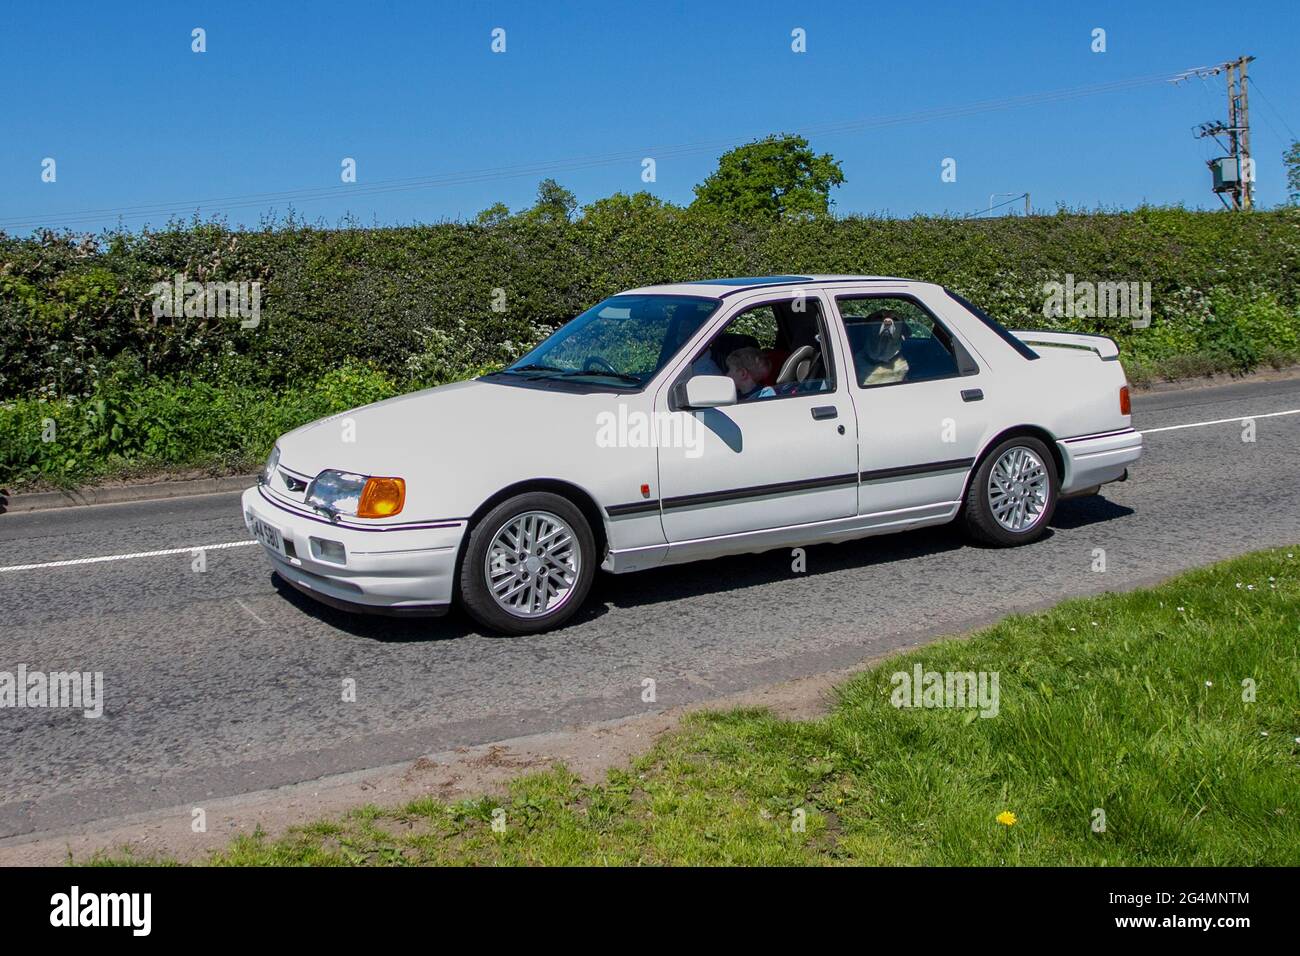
{"type": "Point", "coordinates": [753, 542]}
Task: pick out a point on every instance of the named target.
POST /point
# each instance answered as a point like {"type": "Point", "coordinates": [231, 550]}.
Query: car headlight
{"type": "Point", "coordinates": [272, 460]}
{"type": "Point", "coordinates": [341, 492]}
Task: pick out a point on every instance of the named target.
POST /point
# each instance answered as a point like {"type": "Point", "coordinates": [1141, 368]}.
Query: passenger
{"type": "Point", "coordinates": [749, 368]}
{"type": "Point", "coordinates": [883, 349]}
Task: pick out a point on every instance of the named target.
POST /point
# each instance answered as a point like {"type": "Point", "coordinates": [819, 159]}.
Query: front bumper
{"type": "Point", "coordinates": [1098, 459]}
{"type": "Point", "coordinates": [386, 570]}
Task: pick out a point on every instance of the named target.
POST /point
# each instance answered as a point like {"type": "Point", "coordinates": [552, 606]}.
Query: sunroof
{"type": "Point", "coordinates": [754, 280]}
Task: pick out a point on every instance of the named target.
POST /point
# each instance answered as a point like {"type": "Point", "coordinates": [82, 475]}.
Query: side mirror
{"type": "Point", "coordinates": [710, 391]}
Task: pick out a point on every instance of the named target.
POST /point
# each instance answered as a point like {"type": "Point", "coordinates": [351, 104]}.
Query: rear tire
{"type": "Point", "coordinates": [1012, 495]}
{"type": "Point", "coordinates": [528, 564]}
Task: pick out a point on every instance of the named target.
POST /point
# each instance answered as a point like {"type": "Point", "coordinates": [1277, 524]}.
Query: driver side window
{"type": "Point", "coordinates": [770, 351]}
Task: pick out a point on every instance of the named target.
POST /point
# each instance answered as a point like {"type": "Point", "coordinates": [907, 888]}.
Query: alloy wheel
{"type": "Point", "coordinates": [532, 564]}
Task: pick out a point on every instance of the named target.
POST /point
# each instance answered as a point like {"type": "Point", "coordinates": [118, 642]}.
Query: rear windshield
{"type": "Point", "coordinates": [994, 325]}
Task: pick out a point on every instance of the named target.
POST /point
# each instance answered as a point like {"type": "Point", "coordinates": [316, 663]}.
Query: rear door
{"type": "Point", "coordinates": [785, 455]}
{"type": "Point", "coordinates": [921, 412]}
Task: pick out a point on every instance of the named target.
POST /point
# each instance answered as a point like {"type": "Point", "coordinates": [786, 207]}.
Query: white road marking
{"type": "Point", "coordinates": [1220, 421]}
{"type": "Point", "coordinates": [127, 557]}
{"type": "Point", "coordinates": [250, 613]}
{"type": "Point", "coordinates": [244, 544]}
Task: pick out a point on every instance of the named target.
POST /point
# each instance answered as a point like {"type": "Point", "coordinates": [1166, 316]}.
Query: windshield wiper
{"type": "Point", "coordinates": [621, 376]}
{"type": "Point", "coordinates": [533, 367]}
{"type": "Point", "coordinates": [552, 371]}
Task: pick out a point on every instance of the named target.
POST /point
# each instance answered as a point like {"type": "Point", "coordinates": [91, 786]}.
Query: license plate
{"type": "Point", "coordinates": [268, 536]}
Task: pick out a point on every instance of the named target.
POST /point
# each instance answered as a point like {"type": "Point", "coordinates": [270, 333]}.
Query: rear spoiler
{"type": "Point", "coordinates": [1103, 346]}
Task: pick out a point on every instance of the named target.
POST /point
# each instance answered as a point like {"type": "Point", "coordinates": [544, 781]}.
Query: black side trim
{"type": "Point", "coordinates": [632, 508]}
{"type": "Point", "coordinates": [953, 465]}
{"type": "Point", "coordinates": [785, 487]}
{"type": "Point", "coordinates": [758, 491]}
{"type": "Point", "coordinates": [1088, 335]}
{"type": "Point", "coordinates": [1120, 431]}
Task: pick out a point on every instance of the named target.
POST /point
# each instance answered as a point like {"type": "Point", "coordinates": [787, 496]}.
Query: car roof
{"type": "Point", "coordinates": [721, 288]}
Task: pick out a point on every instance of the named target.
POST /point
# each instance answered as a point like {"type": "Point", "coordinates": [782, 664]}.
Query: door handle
{"type": "Point", "coordinates": [972, 394]}
{"type": "Point", "coordinates": [825, 411]}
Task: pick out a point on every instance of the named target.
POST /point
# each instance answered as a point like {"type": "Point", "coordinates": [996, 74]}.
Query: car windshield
{"type": "Point", "coordinates": [622, 342]}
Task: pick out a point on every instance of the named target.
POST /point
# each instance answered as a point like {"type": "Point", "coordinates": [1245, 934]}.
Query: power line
{"type": "Point", "coordinates": [1005, 202]}
{"type": "Point", "coordinates": [350, 191]}
{"type": "Point", "coordinates": [1254, 84]}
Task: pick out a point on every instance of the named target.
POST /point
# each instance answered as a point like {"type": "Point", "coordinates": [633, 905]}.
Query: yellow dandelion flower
{"type": "Point", "coordinates": [1007, 818]}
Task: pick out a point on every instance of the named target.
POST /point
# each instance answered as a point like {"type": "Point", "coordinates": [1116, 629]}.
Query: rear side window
{"type": "Point", "coordinates": [894, 340]}
{"type": "Point", "coordinates": [994, 325]}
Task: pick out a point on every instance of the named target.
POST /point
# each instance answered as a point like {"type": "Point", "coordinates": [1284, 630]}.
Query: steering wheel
{"type": "Point", "coordinates": [597, 361]}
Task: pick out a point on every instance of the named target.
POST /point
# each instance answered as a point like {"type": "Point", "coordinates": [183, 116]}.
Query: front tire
{"type": "Point", "coordinates": [1012, 495]}
{"type": "Point", "coordinates": [528, 564]}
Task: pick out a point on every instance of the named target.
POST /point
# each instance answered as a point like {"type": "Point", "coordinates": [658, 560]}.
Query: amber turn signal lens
{"type": "Point", "coordinates": [1125, 405]}
{"type": "Point", "coordinates": [382, 498]}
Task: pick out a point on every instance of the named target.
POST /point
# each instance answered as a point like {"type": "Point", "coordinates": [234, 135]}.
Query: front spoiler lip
{"type": "Point", "coordinates": [412, 573]}
{"type": "Point", "coordinates": [373, 610]}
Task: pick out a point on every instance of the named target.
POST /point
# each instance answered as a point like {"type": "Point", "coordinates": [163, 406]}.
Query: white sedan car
{"type": "Point", "coordinates": [681, 422]}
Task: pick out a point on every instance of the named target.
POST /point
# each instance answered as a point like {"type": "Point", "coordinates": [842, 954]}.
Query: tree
{"type": "Point", "coordinates": [493, 215]}
{"type": "Point", "coordinates": [554, 203]}
{"type": "Point", "coordinates": [777, 178]}
{"type": "Point", "coordinates": [1292, 159]}
{"type": "Point", "coordinates": [621, 206]}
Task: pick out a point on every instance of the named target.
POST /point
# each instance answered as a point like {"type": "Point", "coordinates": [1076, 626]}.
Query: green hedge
{"type": "Point", "coordinates": [414, 306]}
{"type": "Point", "coordinates": [166, 424]}
{"type": "Point", "coordinates": [417, 302]}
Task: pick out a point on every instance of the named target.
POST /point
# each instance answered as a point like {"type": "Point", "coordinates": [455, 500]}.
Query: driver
{"type": "Point", "coordinates": [882, 349]}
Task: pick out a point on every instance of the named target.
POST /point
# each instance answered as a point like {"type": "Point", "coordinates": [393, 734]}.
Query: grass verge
{"type": "Point", "coordinates": [1159, 727]}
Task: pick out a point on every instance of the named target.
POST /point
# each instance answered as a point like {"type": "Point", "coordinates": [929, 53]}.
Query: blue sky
{"type": "Point", "coordinates": [285, 91]}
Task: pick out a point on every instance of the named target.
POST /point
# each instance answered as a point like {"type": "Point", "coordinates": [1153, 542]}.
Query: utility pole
{"type": "Point", "coordinates": [1243, 142]}
{"type": "Point", "coordinates": [1234, 174]}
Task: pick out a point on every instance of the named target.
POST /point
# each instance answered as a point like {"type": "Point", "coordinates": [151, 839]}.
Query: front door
{"type": "Point", "coordinates": [786, 453]}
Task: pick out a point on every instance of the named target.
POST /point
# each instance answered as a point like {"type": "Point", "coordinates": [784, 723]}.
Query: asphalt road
{"type": "Point", "coordinates": [218, 683]}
